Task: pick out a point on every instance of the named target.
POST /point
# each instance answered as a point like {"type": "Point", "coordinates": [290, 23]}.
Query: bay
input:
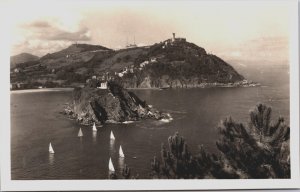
{"type": "Point", "coordinates": [196, 113]}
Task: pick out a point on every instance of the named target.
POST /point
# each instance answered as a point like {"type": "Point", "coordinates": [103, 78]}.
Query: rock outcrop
{"type": "Point", "coordinates": [111, 105]}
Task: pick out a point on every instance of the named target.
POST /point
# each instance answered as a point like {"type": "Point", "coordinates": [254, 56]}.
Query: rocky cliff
{"type": "Point", "coordinates": [110, 105]}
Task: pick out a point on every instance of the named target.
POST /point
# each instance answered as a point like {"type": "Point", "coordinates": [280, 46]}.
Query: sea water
{"type": "Point", "coordinates": [196, 113]}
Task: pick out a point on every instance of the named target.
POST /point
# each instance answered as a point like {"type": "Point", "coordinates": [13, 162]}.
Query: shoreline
{"type": "Point", "coordinates": [202, 86]}
{"type": "Point", "coordinates": [16, 91]}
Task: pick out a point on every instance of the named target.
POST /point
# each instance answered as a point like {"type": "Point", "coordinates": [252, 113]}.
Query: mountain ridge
{"type": "Point", "coordinates": [21, 58]}
{"type": "Point", "coordinates": [170, 63]}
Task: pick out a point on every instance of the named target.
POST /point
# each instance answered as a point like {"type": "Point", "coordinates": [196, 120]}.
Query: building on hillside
{"type": "Point", "coordinates": [178, 39]}
{"type": "Point", "coordinates": [143, 64]}
{"type": "Point", "coordinates": [173, 40]}
{"type": "Point", "coordinates": [17, 70]}
{"type": "Point", "coordinates": [153, 59]}
{"type": "Point", "coordinates": [103, 85]}
{"type": "Point", "coordinates": [131, 45]}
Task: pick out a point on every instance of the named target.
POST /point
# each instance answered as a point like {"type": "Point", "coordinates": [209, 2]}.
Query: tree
{"type": "Point", "coordinates": [261, 150]}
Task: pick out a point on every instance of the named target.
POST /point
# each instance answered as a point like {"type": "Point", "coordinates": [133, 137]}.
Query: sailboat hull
{"type": "Point", "coordinates": [111, 166]}
{"type": "Point", "coordinates": [121, 154]}
{"type": "Point", "coordinates": [112, 137]}
{"type": "Point", "coordinates": [51, 151]}
{"type": "Point", "coordinates": [80, 134]}
{"type": "Point", "coordinates": [94, 127]}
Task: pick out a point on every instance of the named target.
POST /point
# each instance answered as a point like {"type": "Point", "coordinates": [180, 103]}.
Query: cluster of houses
{"type": "Point", "coordinates": [132, 68]}
{"type": "Point", "coordinates": [100, 81]}
{"type": "Point", "coordinates": [125, 70]}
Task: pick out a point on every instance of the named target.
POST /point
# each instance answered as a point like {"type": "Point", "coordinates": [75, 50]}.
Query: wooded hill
{"type": "Point", "coordinates": [164, 64]}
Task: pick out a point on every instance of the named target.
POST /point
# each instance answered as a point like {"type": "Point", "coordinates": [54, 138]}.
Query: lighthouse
{"type": "Point", "coordinates": [173, 38]}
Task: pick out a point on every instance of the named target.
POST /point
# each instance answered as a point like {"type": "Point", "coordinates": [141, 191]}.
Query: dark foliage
{"type": "Point", "coordinates": [125, 174]}
{"type": "Point", "coordinates": [178, 162]}
{"type": "Point", "coordinates": [260, 150]}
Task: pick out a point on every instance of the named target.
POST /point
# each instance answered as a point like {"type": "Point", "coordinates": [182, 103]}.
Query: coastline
{"type": "Point", "coordinates": [40, 90]}
{"type": "Point", "coordinates": [202, 85]}
{"type": "Point", "coordinates": [188, 86]}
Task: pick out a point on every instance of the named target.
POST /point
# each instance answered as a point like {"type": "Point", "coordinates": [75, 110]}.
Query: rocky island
{"type": "Point", "coordinates": [109, 103]}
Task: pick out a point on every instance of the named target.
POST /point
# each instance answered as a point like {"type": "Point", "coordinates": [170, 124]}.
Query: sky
{"type": "Point", "coordinates": [232, 30]}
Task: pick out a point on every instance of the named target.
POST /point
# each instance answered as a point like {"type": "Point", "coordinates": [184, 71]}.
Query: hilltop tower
{"type": "Point", "coordinates": [173, 38]}
{"type": "Point", "coordinates": [131, 45]}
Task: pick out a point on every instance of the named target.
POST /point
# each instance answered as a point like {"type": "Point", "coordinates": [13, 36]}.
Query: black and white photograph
{"type": "Point", "coordinates": [112, 93]}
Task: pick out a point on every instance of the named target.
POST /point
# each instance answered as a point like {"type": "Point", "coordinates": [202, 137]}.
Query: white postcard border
{"type": "Point", "coordinates": [47, 185]}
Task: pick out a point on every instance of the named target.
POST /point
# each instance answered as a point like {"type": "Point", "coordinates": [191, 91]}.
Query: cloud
{"type": "Point", "coordinates": [81, 35]}
{"type": "Point", "coordinates": [46, 36]}
{"type": "Point", "coordinates": [39, 24]}
{"type": "Point", "coordinates": [264, 48]}
{"type": "Point", "coordinates": [39, 47]}
{"type": "Point", "coordinates": [45, 30]}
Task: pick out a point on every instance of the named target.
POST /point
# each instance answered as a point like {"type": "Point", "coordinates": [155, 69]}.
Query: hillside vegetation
{"type": "Point", "coordinates": [259, 150]}
{"type": "Point", "coordinates": [180, 64]}
{"type": "Point", "coordinates": [22, 58]}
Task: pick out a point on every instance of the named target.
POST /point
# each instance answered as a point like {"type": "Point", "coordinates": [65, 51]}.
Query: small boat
{"type": "Point", "coordinates": [51, 149]}
{"type": "Point", "coordinates": [127, 122]}
{"type": "Point", "coordinates": [80, 134]}
{"type": "Point", "coordinates": [111, 166]}
{"type": "Point", "coordinates": [164, 88]}
{"type": "Point", "coordinates": [94, 127]}
{"type": "Point", "coordinates": [121, 154]}
{"type": "Point", "coordinates": [112, 137]}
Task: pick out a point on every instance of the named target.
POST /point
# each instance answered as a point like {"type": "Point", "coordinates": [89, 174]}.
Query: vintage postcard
{"type": "Point", "coordinates": [150, 95]}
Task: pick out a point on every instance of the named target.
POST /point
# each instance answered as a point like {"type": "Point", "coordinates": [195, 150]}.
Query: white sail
{"type": "Point", "coordinates": [121, 154]}
{"type": "Point", "coordinates": [94, 127]}
{"type": "Point", "coordinates": [111, 166]}
{"type": "Point", "coordinates": [50, 148]}
{"type": "Point", "coordinates": [80, 134]}
{"type": "Point", "coordinates": [112, 137]}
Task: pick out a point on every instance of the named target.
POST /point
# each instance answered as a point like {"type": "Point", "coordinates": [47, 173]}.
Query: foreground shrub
{"type": "Point", "coordinates": [260, 150]}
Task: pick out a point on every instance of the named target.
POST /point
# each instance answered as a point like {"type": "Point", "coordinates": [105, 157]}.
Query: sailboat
{"type": "Point", "coordinates": [121, 154]}
{"type": "Point", "coordinates": [50, 148]}
{"type": "Point", "coordinates": [80, 134]}
{"type": "Point", "coordinates": [94, 127]}
{"type": "Point", "coordinates": [111, 166]}
{"type": "Point", "coordinates": [112, 137]}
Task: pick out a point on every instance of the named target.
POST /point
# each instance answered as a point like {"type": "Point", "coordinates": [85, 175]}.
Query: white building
{"type": "Point", "coordinates": [103, 85]}
{"type": "Point", "coordinates": [16, 70]}
{"type": "Point", "coordinates": [152, 60]}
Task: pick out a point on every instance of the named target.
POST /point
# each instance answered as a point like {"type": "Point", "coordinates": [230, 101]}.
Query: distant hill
{"type": "Point", "coordinates": [166, 64]}
{"type": "Point", "coordinates": [21, 58]}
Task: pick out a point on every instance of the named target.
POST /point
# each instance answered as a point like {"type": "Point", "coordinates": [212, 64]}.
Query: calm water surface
{"type": "Point", "coordinates": [36, 122]}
